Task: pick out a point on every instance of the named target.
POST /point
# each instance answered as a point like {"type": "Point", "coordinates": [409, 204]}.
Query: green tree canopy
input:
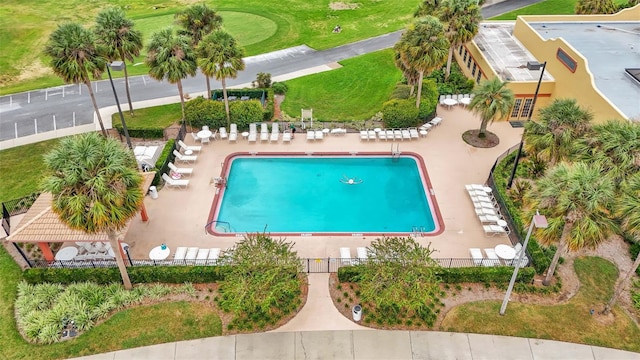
{"type": "Point", "coordinates": [461, 19]}
{"type": "Point", "coordinates": [492, 101]}
{"type": "Point", "coordinates": [587, 7]}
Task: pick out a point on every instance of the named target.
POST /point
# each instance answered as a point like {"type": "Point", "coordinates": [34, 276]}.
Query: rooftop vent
{"type": "Point", "coordinates": [633, 74]}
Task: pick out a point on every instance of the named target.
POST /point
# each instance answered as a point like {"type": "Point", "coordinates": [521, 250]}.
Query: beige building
{"type": "Point", "coordinates": [592, 58]}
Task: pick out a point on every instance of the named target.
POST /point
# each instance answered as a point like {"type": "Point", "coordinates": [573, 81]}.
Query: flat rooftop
{"type": "Point", "coordinates": [506, 55]}
{"type": "Point", "coordinates": [609, 47]}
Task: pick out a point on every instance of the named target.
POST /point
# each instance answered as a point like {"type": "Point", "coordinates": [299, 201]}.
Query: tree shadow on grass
{"type": "Point", "coordinates": [488, 141]}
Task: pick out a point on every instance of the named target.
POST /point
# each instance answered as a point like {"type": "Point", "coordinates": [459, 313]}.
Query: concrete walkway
{"type": "Point", "coordinates": [369, 345]}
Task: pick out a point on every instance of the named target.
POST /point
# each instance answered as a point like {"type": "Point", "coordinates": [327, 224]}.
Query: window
{"type": "Point", "coordinates": [479, 77]}
{"type": "Point", "coordinates": [465, 56]}
{"type": "Point", "coordinates": [473, 72]}
{"type": "Point", "coordinates": [566, 60]}
{"type": "Point", "coordinates": [516, 108]}
{"type": "Point", "coordinates": [469, 63]}
{"type": "Point", "coordinates": [460, 50]}
{"type": "Point", "coordinates": [526, 109]}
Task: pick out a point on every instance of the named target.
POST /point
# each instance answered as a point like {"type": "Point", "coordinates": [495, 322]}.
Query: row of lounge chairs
{"type": "Point", "coordinates": [487, 210]}
{"type": "Point", "coordinates": [315, 135]}
{"type": "Point", "coordinates": [197, 256]}
{"type": "Point", "coordinates": [390, 134]}
{"type": "Point", "coordinates": [346, 259]}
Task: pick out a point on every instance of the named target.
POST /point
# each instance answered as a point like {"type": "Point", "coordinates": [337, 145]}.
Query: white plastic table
{"type": "Point", "coordinates": [450, 102]}
{"type": "Point", "coordinates": [505, 252]}
{"type": "Point", "coordinates": [501, 223]}
{"type": "Point", "coordinates": [110, 251]}
{"type": "Point", "coordinates": [157, 253]}
{"type": "Point", "coordinates": [204, 134]}
{"type": "Point", "coordinates": [245, 135]}
{"type": "Point", "coordinates": [465, 101]}
{"type": "Point", "coordinates": [67, 253]}
{"type": "Point", "coordinates": [188, 152]}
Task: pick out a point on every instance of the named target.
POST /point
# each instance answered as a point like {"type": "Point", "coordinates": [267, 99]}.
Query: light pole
{"type": "Point", "coordinates": [119, 65]}
{"type": "Point", "coordinates": [531, 65]}
{"type": "Point", "coordinates": [540, 222]}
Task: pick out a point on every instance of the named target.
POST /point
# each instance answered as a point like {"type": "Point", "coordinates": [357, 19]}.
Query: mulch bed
{"type": "Point", "coordinates": [490, 140]}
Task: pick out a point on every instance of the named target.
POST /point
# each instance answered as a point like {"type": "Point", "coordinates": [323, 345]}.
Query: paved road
{"type": "Point", "coordinates": [56, 108]}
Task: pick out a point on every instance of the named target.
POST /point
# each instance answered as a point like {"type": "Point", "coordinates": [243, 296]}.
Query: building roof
{"type": "Point", "coordinates": [609, 47]}
{"type": "Point", "coordinates": [506, 55]}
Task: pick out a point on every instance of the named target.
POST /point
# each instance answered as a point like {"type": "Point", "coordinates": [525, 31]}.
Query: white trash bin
{"type": "Point", "coordinates": [153, 192]}
{"type": "Point", "coordinates": [357, 313]}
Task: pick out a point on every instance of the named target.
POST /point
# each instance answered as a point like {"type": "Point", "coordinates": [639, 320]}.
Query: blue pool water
{"type": "Point", "coordinates": [312, 195]}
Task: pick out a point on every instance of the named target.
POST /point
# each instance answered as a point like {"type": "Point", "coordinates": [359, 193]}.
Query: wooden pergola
{"type": "Point", "coordinates": [42, 226]}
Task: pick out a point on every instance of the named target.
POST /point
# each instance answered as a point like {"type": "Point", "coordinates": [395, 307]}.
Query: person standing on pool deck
{"type": "Point", "coordinates": [293, 130]}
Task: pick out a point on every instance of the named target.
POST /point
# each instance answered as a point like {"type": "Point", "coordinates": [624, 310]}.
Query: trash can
{"type": "Point", "coordinates": [357, 313]}
{"type": "Point", "coordinates": [153, 191]}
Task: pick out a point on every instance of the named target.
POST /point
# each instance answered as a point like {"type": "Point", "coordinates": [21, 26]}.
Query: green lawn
{"type": "Point", "coordinates": [354, 92]}
{"type": "Point", "coordinates": [138, 326]}
{"type": "Point", "coordinates": [161, 116]}
{"type": "Point", "coordinates": [545, 7]}
{"type": "Point", "coordinates": [260, 27]}
{"type": "Point", "coordinates": [569, 322]}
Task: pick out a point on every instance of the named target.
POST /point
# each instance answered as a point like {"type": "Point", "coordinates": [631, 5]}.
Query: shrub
{"type": "Point", "coordinates": [401, 91]}
{"type": "Point", "coordinates": [398, 113]}
{"type": "Point", "coordinates": [138, 132]}
{"type": "Point", "coordinates": [457, 83]}
{"type": "Point", "coordinates": [280, 88]}
{"type": "Point", "coordinates": [160, 168]}
{"type": "Point", "coordinates": [269, 108]}
{"type": "Point", "coordinates": [429, 100]}
{"type": "Point", "coordinates": [243, 113]}
{"type": "Point", "coordinates": [201, 111]}
{"type": "Point", "coordinates": [263, 80]}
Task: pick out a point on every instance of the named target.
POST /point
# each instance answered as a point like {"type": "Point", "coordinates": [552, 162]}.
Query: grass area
{"type": "Point", "coordinates": [569, 322]}
{"type": "Point", "coordinates": [161, 116]}
{"type": "Point", "coordinates": [259, 26]}
{"type": "Point", "coordinates": [347, 93]}
{"type": "Point", "coordinates": [546, 7]}
{"type": "Point", "coordinates": [22, 168]}
{"type": "Point", "coordinates": [139, 326]}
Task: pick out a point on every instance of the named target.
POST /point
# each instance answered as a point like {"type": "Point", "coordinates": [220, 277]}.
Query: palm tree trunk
{"type": "Point", "coordinates": [208, 97]}
{"type": "Point", "coordinates": [559, 252]}
{"type": "Point", "coordinates": [419, 89]}
{"type": "Point", "coordinates": [115, 246]}
{"type": "Point", "coordinates": [95, 107]}
{"type": "Point", "coordinates": [448, 71]}
{"type": "Point", "coordinates": [621, 286]}
{"type": "Point", "coordinates": [179, 83]}
{"type": "Point", "coordinates": [483, 128]}
{"type": "Point", "coordinates": [412, 89]}
{"type": "Point", "coordinates": [226, 101]}
{"type": "Point", "coordinates": [126, 81]}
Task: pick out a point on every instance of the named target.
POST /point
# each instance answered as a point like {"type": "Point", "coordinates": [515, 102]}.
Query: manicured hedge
{"type": "Point", "coordinates": [429, 100]}
{"type": "Point", "coordinates": [269, 108]}
{"type": "Point", "coordinates": [162, 163]}
{"type": "Point", "coordinates": [498, 274]}
{"type": "Point", "coordinates": [400, 113]}
{"type": "Point", "coordinates": [200, 112]}
{"type": "Point", "coordinates": [143, 133]}
{"type": "Point", "coordinates": [138, 274]}
{"type": "Point", "coordinates": [243, 113]}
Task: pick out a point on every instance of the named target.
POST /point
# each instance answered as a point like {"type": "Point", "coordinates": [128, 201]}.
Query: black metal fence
{"type": "Point", "coordinates": [16, 207]}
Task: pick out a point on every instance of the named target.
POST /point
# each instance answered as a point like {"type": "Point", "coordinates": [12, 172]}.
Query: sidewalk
{"type": "Point", "coordinates": [369, 345]}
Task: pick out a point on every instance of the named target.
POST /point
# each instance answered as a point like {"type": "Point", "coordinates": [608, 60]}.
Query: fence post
{"type": "Point", "coordinates": [21, 252]}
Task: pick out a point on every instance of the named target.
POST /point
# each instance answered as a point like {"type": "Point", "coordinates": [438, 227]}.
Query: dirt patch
{"type": "Point", "coordinates": [490, 140]}
{"type": "Point", "coordinates": [33, 71]}
{"type": "Point", "coordinates": [343, 6]}
{"type": "Point", "coordinates": [277, 112]}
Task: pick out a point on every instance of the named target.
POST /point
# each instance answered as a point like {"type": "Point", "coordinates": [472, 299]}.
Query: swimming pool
{"type": "Point", "coordinates": [325, 194]}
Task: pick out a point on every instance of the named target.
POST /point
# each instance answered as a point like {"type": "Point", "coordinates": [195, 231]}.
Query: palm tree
{"type": "Point", "coordinates": [198, 20]}
{"type": "Point", "coordinates": [427, 7]}
{"type": "Point", "coordinates": [586, 7]}
{"type": "Point", "coordinates": [411, 75]}
{"type": "Point", "coordinates": [220, 56]}
{"type": "Point", "coordinates": [74, 56]}
{"type": "Point", "coordinates": [461, 19]}
{"type": "Point", "coordinates": [492, 100]}
{"type": "Point", "coordinates": [423, 48]}
{"type": "Point", "coordinates": [555, 137]}
{"type": "Point", "coordinates": [117, 39]}
{"type": "Point", "coordinates": [170, 56]}
{"type": "Point", "coordinates": [95, 186]}
{"type": "Point", "coordinates": [627, 210]}
{"type": "Point", "coordinates": [576, 200]}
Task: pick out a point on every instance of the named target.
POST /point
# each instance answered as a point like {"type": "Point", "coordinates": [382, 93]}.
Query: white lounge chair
{"type": "Point", "coordinates": [319, 135]}
{"type": "Point", "coordinates": [233, 133]}
{"type": "Point", "coordinates": [185, 158]}
{"type": "Point", "coordinates": [382, 135]}
{"type": "Point", "coordinates": [180, 183]}
{"type": "Point", "coordinates": [181, 252]}
{"type": "Point", "coordinates": [492, 258]}
{"type": "Point", "coordinates": [223, 133]}
{"type": "Point", "coordinates": [311, 135]}
{"type": "Point", "coordinates": [264, 132]}
{"type": "Point", "coordinates": [345, 256]}
{"type": "Point", "coordinates": [275, 133]}
{"type": "Point", "coordinates": [192, 252]}
{"type": "Point", "coordinates": [414, 133]}
{"type": "Point", "coordinates": [389, 134]}
{"type": "Point", "coordinates": [436, 121]}
{"type": "Point", "coordinates": [181, 171]}
{"type": "Point", "coordinates": [364, 135]}
{"type": "Point", "coordinates": [397, 134]}
{"type": "Point", "coordinates": [442, 97]}
{"type": "Point", "coordinates": [493, 230]}
{"type": "Point", "coordinates": [371, 134]}
{"type": "Point", "coordinates": [362, 253]}
{"type": "Point", "coordinates": [202, 256]}
{"type": "Point", "coordinates": [481, 198]}
{"type": "Point", "coordinates": [488, 219]}
{"type": "Point", "coordinates": [406, 135]}
{"type": "Point", "coordinates": [338, 131]}
{"type": "Point", "coordinates": [187, 147]}
{"type": "Point", "coordinates": [253, 133]}
{"type": "Point", "coordinates": [483, 204]}
{"type": "Point", "coordinates": [214, 256]}
{"type": "Point", "coordinates": [484, 211]}
{"type": "Point", "coordinates": [286, 137]}
{"type": "Point", "coordinates": [194, 136]}
{"type": "Point", "coordinates": [476, 255]}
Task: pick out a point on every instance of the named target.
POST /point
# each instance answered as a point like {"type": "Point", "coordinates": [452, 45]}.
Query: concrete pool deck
{"type": "Point", "coordinates": [178, 217]}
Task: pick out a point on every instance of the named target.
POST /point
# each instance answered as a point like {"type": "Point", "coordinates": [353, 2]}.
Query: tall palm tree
{"type": "Point", "coordinates": [423, 48]}
{"type": "Point", "coordinates": [117, 39]}
{"type": "Point", "coordinates": [576, 199]}
{"type": "Point", "coordinates": [411, 75]}
{"type": "Point", "coordinates": [170, 56]}
{"type": "Point", "coordinates": [95, 186]}
{"type": "Point", "coordinates": [492, 100]}
{"type": "Point", "coordinates": [555, 136]}
{"type": "Point", "coordinates": [627, 210]}
{"type": "Point", "coordinates": [615, 145]}
{"type": "Point", "coordinates": [198, 20]}
{"type": "Point", "coordinates": [73, 53]}
{"type": "Point", "coordinates": [427, 7]}
{"type": "Point", "coordinates": [220, 56]}
{"type": "Point", "coordinates": [461, 19]}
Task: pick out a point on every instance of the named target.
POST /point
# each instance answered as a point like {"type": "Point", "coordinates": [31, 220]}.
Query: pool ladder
{"type": "Point", "coordinates": [418, 231]}
{"type": "Point", "coordinates": [395, 154]}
